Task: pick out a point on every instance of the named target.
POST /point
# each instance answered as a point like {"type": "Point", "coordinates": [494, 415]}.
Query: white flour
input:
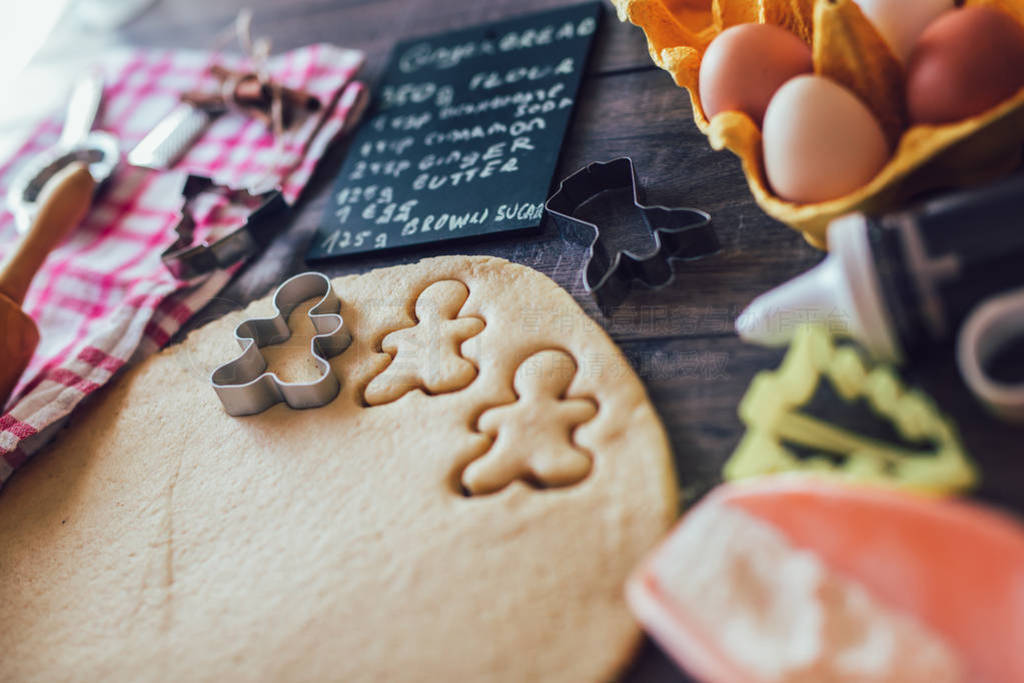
{"type": "Point", "coordinates": [781, 615]}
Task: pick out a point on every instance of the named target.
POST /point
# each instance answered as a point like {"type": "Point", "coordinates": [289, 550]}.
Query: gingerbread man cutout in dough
{"type": "Point", "coordinates": [534, 435]}
{"type": "Point", "coordinates": [426, 356]}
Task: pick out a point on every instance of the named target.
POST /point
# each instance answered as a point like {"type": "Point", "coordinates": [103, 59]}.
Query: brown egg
{"type": "Point", "coordinates": [820, 141]}
{"type": "Point", "coordinates": [966, 61]}
{"type": "Point", "coordinates": [744, 66]}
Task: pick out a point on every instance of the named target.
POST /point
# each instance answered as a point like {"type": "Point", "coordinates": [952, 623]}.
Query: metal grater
{"type": "Point", "coordinates": [171, 138]}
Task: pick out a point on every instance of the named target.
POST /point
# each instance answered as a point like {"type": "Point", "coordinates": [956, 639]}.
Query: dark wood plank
{"type": "Point", "coordinates": [370, 25]}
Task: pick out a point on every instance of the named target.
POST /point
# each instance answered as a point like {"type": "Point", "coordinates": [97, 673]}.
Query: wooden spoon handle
{"type": "Point", "coordinates": [64, 202]}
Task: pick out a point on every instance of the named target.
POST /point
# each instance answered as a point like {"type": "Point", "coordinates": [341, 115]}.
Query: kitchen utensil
{"type": "Point", "coordinates": [171, 137]}
{"type": "Point", "coordinates": [244, 385]}
{"type": "Point", "coordinates": [77, 144]}
{"type": "Point", "coordinates": [188, 259]}
{"type": "Point", "coordinates": [61, 206]}
{"type": "Point", "coordinates": [676, 233]}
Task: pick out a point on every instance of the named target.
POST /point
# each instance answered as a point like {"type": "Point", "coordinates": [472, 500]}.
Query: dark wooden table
{"type": "Point", "coordinates": [680, 340]}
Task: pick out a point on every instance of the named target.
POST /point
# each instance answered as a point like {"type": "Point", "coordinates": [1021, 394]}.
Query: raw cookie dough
{"type": "Point", "coordinates": [161, 539]}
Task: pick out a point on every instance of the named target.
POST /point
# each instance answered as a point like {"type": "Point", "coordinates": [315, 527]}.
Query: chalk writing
{"type": "Point", "coordinates": [464, 135]}
{"type": "Point", "coordinates": [425, 54]}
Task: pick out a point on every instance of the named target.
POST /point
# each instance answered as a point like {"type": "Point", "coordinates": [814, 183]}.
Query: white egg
{"type": "Point", "coordinates": [820, 141]}
{"type": "Point", "coordinates": [900, 22]}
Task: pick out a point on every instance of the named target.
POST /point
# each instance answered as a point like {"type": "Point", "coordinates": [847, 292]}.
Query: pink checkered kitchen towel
{"type": "Point", "coordinates": [103, 298]}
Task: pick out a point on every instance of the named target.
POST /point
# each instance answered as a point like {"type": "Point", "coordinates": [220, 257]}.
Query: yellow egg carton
{"type": "Point", "coordinates": [846, 48]}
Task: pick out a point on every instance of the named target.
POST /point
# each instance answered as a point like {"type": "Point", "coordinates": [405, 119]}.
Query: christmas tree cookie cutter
{"type": "Point", "coordinates": [677, 233]}
{"type": "Point", "coordinates": [245, 387]}
{"type": "Point", "coordinates": [777, 430]}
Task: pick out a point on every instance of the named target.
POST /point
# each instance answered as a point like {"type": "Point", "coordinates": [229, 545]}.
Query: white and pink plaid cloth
{"type": "Point", "coordinates": [103, 298]}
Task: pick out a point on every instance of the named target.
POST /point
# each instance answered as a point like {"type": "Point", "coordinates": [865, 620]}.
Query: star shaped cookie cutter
{"type": "Point", "coordinates": [678, 233]}
{"type": "Point", "coordinates": [245, 387]}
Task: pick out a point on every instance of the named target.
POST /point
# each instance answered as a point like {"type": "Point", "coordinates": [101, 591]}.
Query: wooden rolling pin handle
{"type": "Point", "coordinates": [63, 203]}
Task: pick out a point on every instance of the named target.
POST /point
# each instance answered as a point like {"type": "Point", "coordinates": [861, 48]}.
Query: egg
{"type": "Point", "coordinates": [966, 61]}
{"type": "Point", "coordinates": [820, 141]}
{"type": "Point", "coordinates": [745, 64]}
{"type": "Point", "coordinates": [900, 22]}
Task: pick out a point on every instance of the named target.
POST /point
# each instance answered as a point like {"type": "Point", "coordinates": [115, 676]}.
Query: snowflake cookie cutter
{"type": "Point", "coordinates": [245, 387]}
{"type": "Point", "coordinates": [678, 233]}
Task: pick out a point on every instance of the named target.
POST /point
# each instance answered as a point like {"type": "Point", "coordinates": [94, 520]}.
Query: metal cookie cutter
{"type": "Point", "coordinates": [678, 233]}
{"type": "Point", "coordinates": [188, 261]}
{"type": "Point", "coordinates": [245, 387]}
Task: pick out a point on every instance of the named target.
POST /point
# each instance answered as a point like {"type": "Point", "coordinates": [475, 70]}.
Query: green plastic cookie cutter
{"type": "Point", "coordinates": [781, 437]}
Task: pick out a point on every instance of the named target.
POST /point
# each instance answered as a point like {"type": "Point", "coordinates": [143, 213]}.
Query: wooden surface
{"type": "Point", "coordinates": [679, 339]}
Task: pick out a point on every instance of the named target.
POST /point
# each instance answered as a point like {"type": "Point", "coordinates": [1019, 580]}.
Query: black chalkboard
{"type": "Point", "coordinates": [463, 137]}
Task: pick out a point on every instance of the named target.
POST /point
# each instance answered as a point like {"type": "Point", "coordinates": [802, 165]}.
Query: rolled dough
{"type": "Point", "coordinates": [160, 539]}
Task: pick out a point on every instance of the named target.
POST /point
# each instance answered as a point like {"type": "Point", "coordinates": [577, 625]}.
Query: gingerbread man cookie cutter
{"type": "Point", "coordinates": [245, 387]}
{"type": "Point", "coordinates": [677, 233]}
